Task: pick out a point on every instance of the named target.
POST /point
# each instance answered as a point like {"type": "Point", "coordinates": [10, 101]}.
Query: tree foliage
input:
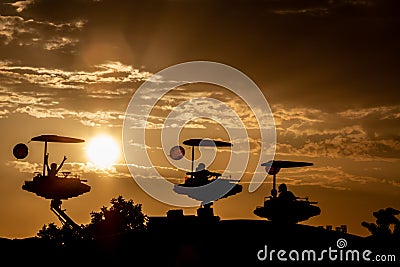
{"type": "Point", "coordinates": [59, 236]}
{"type": "Point", "coordinates": [123, 217]}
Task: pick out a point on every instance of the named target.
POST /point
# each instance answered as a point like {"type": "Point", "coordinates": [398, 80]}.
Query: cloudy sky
{"type": "Point", "coordinates": [328, 69]}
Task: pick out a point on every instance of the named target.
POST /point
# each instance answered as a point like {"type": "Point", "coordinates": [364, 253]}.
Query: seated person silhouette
{"type": "Point", "coordinates": [201, 175]}
{"type": "Point", "coordinates": [53, 170]}
{"type": "Point", "coordinates": [274, 193]}
{"type": "Point", "coordinates": [284, 195]}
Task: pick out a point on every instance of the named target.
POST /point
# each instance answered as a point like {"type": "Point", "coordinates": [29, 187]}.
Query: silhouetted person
{"type": "Point", "coordinates": [285, 195]}
{"type": "Point", "coordinates": [200, 167]}
{"type": "Point", "coordinates": [274, 193]}
{"type": "Point", "coordinates": [53, 170]}
{"type": "Point", "coordinates": [201, 175]}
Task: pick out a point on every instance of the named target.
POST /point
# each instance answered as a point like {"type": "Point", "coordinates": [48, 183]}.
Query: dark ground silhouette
{"type": "Point", "coordinates": [122, 234]}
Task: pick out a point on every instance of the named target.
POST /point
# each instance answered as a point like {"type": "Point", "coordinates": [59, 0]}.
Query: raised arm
{"type": "Point", "coordinates": [61, 164]}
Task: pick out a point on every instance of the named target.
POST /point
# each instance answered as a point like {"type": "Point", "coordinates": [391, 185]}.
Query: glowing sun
{"type": "Point", "coordinates": [103, 151]}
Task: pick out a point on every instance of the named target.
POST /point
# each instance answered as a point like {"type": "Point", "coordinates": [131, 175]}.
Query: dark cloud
{"type": "Point", "coordinates": [321, 53]}
{"type": "Point", "coordinates": [56, 93]}
{"type": "Point", "coordinates": [357, 134]}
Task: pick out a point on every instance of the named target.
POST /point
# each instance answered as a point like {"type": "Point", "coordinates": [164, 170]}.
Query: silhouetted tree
{"type": "Point", "coordinates": [50, 232]}
{"type": "Point", "coordinates": [386, 225]}
{"type": "Point", "coordinates": [61, 236]}
{"type": "Point", "coordinates": [124, 216]}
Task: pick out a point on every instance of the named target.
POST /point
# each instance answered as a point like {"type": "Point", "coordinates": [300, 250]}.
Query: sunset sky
{"type": "Point", "coordinates": [328, 69]}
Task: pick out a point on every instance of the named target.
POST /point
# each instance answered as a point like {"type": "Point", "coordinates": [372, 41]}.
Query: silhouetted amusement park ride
{"type": "Point", "coordinates": [52, 183]}
{"type": "Point", "coordinates": [201, 177]}
{"type": "Point", "coordinates": [285, 207]}
{"type": "Point", "coordinates": [282, 208]}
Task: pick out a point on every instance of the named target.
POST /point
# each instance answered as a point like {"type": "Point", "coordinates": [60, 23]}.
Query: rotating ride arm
{"type": "Point", "coordinates": [55, 207]}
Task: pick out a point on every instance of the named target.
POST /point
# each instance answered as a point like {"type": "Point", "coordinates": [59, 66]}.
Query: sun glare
{"type": "Point", "coordinates": [103, 151]}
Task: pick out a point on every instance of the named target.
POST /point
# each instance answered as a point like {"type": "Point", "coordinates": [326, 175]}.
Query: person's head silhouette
{"type": "Point", "coordinates": [200, 167]}
{"type": "Point", "coordinates": [282, 188]}
{"type": "Point", "coordinates": [274, 192]}
{"type": "Point", "coordinates": [53, 166]}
